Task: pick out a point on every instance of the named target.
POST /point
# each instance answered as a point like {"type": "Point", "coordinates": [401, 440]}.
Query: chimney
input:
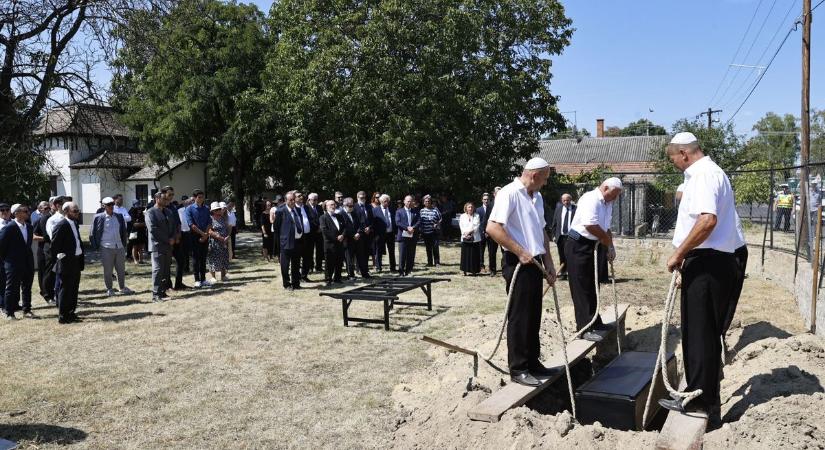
{"type": "Point", "coordinates": [600, 128]}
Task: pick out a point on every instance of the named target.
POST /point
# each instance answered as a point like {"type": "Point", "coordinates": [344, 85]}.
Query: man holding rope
{"type": "Point", "coordinates": [705, 239]}
{"type": "Point", "coordinates": [517, 224]}
{"type": "Point", "coordinates": [590, 227]}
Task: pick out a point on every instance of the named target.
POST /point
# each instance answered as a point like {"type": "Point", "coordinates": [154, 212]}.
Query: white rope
{"type": "Point", "coordinates": [661, 362]}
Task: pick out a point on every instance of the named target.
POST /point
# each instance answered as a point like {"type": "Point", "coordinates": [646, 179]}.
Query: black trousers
{"type": "Point", "coordinates": [233, 237]}
{"type": "Point", "coordinates": [363, 247]}
{"type": "Point", "coordinates": [199, 252]}
{"type": "Point", "coordinates": [431, 244]}
{"type": "Point", "coordinates": [582, 280]}
{"type": "Point", "coordinates": [291, 266]}
{"type": "Point", "coordinates": [560, 245]}
{"type": "Point", "coordinates": [780, 213]}
{"type": "Point", "coordinates": [47, 286]}
{"type": "Point", "coordinates": [385, 242]}
{"type": "Point", "coordinates": [492, 250]}
{"type": "Point", "coordinates": [332, 269]}
{"type": "Point", "coordinates": [18, 279]}
{"type": "Point", "coordinates": [524, 315]}
{"type": "Point", "coordinates": [350, 257]}
{"type": "Point", "coordinates": [318, 245]}
{"type": "Point", "coordinates": [41, 274]}
{"type": "Point", "coordinates": [186, 244]}
{"type": "Point", "coordinates": [741, 256]}
{"type": "Point", "coordinates": [708, 277]}
{"type": "Point", "coordinates": [406, 255]}
{"type": "Point", "coordinates": [3, 283]}
{"type": "Point", "coordinates": [179, 253]}
{"type": "Point", "coordinates": [67, 286]}
{"type": "Point", "coordinates": [306, 245]}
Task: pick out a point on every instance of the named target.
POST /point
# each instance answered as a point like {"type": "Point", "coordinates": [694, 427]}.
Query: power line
{"type": "Point", "coordinates": [738, 48]}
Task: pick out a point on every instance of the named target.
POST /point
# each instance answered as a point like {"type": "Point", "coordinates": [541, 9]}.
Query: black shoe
{"type": "Point", "coordinates": [328, 283]}
{"type": "Point", "coordinates": [64, 320]}
{"type": "Point", "coordinates": [289, 288]}
{"type": "Point", "coordinates": [158, 299]}
{"type": "Point", "coordinates": [338, 281]}
{"type": "Point", "coordinates": [672, 404]}
{"type": "Point", "coordinates": [367, 277]}
{"type": "Point", "coordinates": [592, 337]}
{"type": "Point", "coordinates": [492, 274]}
{"type": "Point", "coordinates": [524, 378]}
{"type": "Point", "coordinates": [305, 280]}
{"type": "Point", "coordinates": [544, 372]}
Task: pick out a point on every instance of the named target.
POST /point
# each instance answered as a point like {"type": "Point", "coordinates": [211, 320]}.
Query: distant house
{"type": "Point", "coordinates": [92, 155]}
{"type": "Point", "coordinates": [642, 208]}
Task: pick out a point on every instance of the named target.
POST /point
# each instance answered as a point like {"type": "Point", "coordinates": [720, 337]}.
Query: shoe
{"type": "Point", "coordinates": [295, 287]}
{"type": "Point", "coordinates": [64, 320]}
{"type": "Point", "coordinates": [492, 274]}
{"type": "Point", "coordinates": [110, 293]}
{"type": "Point", "coordinates": [592, 337]}
{"type": "Point", "coordinates": [367, 277]}
{"type": "Point", "coordinates": [182, 287]}
{"type": "Point", "coordinates": [158, 299]}
{"type": "Point", "coordinates": [224, 279]}
{"type": "Point", "coordinates": [9, 317]}
{"type": "Point", "coordinates": [206, 284]}
{"type": "Point", "coordinates": [672, 404]}
{"type": "Point", "coordinates": [328, 283]}
{"type": "Point", "coordinates": [524, 378]}
{"type": "Point", "coordinates": [198, 284]}
{"type": "Point", "coordinates": [289, 288]}
{"type": "Point", "coordinates": [338, 281]}
{"type": "Point", "coordinates": [213, 281]}
{"type": "Point", "coordinates": [544, 372]}
{"type": "Point", "coordinates": [29, 315]}
{"type": "Point", "coordinates": [306, 280]}
{"type": "Point", "coordinates": [126, 291]}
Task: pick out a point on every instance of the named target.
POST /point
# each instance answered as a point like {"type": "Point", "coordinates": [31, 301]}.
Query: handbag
{"type": "Point", "coordinates": [133, 236]}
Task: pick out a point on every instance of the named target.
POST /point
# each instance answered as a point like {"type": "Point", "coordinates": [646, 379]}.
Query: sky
{"type": "Point", "coordinates": [666, 60]}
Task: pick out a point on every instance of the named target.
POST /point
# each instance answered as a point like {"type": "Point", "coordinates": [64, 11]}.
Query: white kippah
{"type": "Point", "coordinates": [107, 200]}
{"type": "Point", "coordinates": [536, 163]}
{"type": "Point", "coordinates": [613, 182]}
{"type": "Point", "coordinates": [15, 207]}
{"type": "Point", "coordinates": [684, 137]}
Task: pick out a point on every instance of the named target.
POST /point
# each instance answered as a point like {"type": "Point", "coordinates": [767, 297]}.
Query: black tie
{"type": "Point", "coordinates": [299, 221]}
{"type": "Point", "coordinates": [564, 226]}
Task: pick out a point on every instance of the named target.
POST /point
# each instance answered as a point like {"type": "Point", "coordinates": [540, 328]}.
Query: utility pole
{"type": "Point", "coordinates": [806, 131]}
{"type": "Point", "coordinates": [710, 112]}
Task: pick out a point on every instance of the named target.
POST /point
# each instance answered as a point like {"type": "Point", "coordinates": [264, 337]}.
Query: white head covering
{"type": "Point", "coordinates": [536, 164]}
{"type": "Point", "coordinates": [107, 200]}
{"type": "Point", "coordinates": [613, 182]}
{"type": "Point", "coordinates": [15, 207]}
{"type": "Point", "coordinates": [684, 137]}
{"type": "Point", "coordinates": [222, 205]}
{"type": "Point", "coordinates": [214, 206]}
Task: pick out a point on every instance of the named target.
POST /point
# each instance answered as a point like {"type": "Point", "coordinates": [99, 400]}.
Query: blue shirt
{"type": "Point", "coordinates": [199, 216]}
{"type": "Point", "coordinates": [429, 217]}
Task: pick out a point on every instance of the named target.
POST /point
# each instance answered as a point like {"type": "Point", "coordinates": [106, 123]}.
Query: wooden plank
{"type": "Point", "coordinates": [514, 395]}
{"type": "Point", "coordinates": [682, 431]}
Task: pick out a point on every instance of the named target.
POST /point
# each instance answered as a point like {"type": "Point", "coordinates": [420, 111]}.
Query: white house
{"type": "Point", "coordinates": [92, 155]}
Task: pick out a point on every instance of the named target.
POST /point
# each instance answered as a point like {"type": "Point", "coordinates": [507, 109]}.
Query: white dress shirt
{"type": "Point", "coordinates": [77, 249]}
{"type": "Point", "coordinates": [386, 212]}
{"type": "Point", "coordinates": [708, 191]}
{"type": "Point", "coordinates": [335, 221]}
{"type": "Point", "coordinates": [52, 221]}
{"type": "Point", "coordinates": [521, 215]}
{"type": "Point", "coordinates": [22, 226]}
{"type": "Point", "coordinates": [566, 214]}
{"type": "Point", "coordinates": [591, 209]}
{"type": "Point", "coordinates": [294, 213]}
{"type": "Point", "coordinates": [231, 219]}
{"type": "Point", "coordinates": [123, 212]}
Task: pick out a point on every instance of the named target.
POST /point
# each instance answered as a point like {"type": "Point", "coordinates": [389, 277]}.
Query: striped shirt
{"type": "Point", "coordinates": [429, 217]}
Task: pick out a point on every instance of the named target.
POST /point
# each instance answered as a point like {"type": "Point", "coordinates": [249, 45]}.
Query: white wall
{"type": "Point", "coordinates": [185, 179]}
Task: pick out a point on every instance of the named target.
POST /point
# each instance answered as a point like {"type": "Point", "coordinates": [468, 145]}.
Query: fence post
{"type": "Point", "coordinates": [815, 275]}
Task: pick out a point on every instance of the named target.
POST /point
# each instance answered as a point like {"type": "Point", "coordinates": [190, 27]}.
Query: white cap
{"type": "Point", "coordinates": [52, 199]}
{"type": "Point", "coordinates": [613, 182]}
{"type": "Point", "coordinates": [684, 137]}
{"type": "Point", "coordinates": [536, 163]}
{"type": "Point", "coordinates": [222, 205]}
{"type": "Point", "coordinates": [15, 207]}
{"type": "Point", "coordinates": [107, 200]}
{"type": "Point", "coordinates": [214, 206]}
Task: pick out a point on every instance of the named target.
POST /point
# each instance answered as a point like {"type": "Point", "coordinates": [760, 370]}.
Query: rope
{"type": "Point", "coordinates": [661, 362]}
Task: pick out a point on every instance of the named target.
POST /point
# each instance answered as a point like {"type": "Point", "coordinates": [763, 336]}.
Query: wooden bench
{"type": "Point", "coordinates": [514, 395]}
{"type": "Point", "coordinates": [682, 431]}
{"type": "Point", "coordinates": [387, 291]}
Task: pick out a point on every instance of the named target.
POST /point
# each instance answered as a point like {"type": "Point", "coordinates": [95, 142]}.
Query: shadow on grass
{"type": "Point", "coordinates": [41, 433]}
{"type": "Point", "coordinates": [130, 316]}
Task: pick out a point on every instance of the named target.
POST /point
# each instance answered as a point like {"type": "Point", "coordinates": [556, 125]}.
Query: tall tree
{"type": "Point", "coordinates": [777, 141]}
{"type": "Point", "coordinates": [436, 95]}
{"type": "Point", "coordinates": [179, 90]}
{"type": "Point", "coordinates": [643, 127]}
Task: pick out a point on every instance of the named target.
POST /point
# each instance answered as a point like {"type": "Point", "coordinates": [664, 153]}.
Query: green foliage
{"type": "Point", "coordinates": [432, 95]}
{"type": "Point", "coordinates": [777, 141]}
{"type": "Point", "coordinates": [643, 127]}
{"type": "Point", "coordinates": [753, 187]}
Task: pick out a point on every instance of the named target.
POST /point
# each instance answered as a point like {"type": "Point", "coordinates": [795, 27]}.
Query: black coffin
{"type": "Point", "coordinates": [616, 395]}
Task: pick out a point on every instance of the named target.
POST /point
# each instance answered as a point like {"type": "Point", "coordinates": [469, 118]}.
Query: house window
{"type": "Point", "coordinates": [53, 185]}
{"type": "Point", "coordinates": [142, 193]}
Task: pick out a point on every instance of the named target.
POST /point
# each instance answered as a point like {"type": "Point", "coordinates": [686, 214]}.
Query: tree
{"type": "Point", "coordinates": [777, 141]}
{"type": "Point", "coordinates": [432, 95]}
{"type": "Point", "coordinates": [818, 138]}
{"type": "Point", "coordinates": [48, 51]}
{"type": "Point", "coordinates": [753, 187]}
{"type": "Point", "coordinates": [179, 90]}
{"type": "Point", "coordinates": [643, 127]}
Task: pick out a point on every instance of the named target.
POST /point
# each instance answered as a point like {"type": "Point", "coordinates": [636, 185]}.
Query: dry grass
{"type": "Point", "coordinates": [244, 365]}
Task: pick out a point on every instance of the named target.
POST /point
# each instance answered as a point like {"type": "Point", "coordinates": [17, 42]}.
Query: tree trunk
{"type": "Point", "coordinates": [239, 193]}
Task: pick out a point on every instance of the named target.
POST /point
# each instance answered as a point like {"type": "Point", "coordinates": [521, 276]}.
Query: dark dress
{"type": "Point", "coordinates": [471, 257]}
{"type": "Point", "coordinates": [267, 225]}
{"type": "Point", "coordinates": [139, 226]}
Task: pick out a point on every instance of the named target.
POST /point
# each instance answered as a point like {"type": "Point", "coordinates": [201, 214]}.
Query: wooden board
{"type": "Point", "coordinates": [514, 395]}
{"type": "Point", "coordinates": [682, 431]}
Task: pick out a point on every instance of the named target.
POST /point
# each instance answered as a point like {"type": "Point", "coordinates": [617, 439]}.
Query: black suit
{"type": "Point", "coordinates": [68, 268]}
{"type": "Point", "coordinates": [308, 245]}
{"type": "Point", "coordinates": [385, 239]}
{"type": "Point", "coordinates": [18, 263]}
{"type": "Point", "coordinates": [45, 276]}
{"type": "Point", "coordinates": [333, 248]}
{"type": "Point", "coordinates": [286, 223]}
{"type": "Point", "coordinates": [317, 240]}
{"type": "Point", "coordinates": [486, 242]}
{"type": "Point", "coordinates": [364, 245]}
{"type": "Point", "coordinates": [351, 227]}
{"type": "Point", "coordinates": [558, 230]}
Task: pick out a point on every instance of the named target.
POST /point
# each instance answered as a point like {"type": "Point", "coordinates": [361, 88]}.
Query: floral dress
{"type": "Point", "coordinates": [218, 258]}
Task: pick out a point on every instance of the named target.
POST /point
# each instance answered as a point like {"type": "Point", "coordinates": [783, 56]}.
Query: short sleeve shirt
{"type": "Point", "coordinates": [592, 210]}
{"type": "Point", "coordinates": [521, 215]}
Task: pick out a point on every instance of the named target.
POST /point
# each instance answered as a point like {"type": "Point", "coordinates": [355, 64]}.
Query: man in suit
{"type": "Point", "coordinates": [560, 225]}
{"type": "Point", "coordinates": [334, 234]}
{"type": "Point", "coordinates": [43, 245]}
{"type": "Point", "coordinates": [18, 262]}
{"type": "Point", "coordinates": [385, 232]}
{"type": "Point", "coordinates": [354, 233]}
{"type": "Point", "coordinates": [407, 221]}
{"type": "Point", "coordinates": [289, 225]}
{"type": "Point", "coordinates": [366, 219]}
{"type": "Point", "coordinates": [5, 219]}
{"type": "Point", "coordinates": [67, 254]}
{"type": "Point", "coordinates": [317, 239]}
{"type": "Point", "coordinates": [309, 215]}
{"type": "Point", "coordinates": [161, 228]}
{"type": "Point", "coordinates": [108, 234]}
{"type": "Point", "coordinates": [483, 212]}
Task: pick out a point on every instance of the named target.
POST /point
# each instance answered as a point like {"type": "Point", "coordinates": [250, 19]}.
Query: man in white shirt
{"type": "Point", "coordinates": [705, 239]}
{"type": "Point", "coordinates": [67, 251]}
{"type": "Point", "coordinates": [108, 235]}
{"type": "Point", "coordinates": [334, 235]}
{"type": "Point", "coordinates": [18, 262]}
{"type": "Point", "coordinates": [590, 227]}
{"type": "Point", "coordinates": [517, 224]}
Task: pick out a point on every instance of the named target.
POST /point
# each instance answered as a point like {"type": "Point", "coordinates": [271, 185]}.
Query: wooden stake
{"type": "Point", "coordinates": [815, 281]}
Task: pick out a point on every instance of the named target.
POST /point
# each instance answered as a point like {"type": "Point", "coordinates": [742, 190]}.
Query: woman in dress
{"type": "Point", "coordinates": [218, 257]}
{"type": "Point", "coordinates": [469, 224]}
{"type": "Point", "coordinates": [138, 237]}
{"type": "Point", "coordinates": [266, 232]}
